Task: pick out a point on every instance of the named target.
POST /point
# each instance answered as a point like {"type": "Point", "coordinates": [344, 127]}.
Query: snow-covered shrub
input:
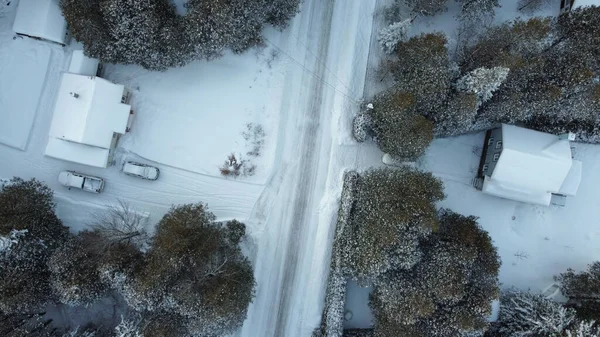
{"type": "Point", "coordinates": [476, 9]}
{"type": "Point", "coordinates": [360, 126]}
{"type": "Point", "coordinates": [255, 138]}
{"type": "Point", "coordinates": [120, 223]}
{"type": "Point", "coordinates": [584, 329]}
{"type": "Point", "coordinates": [393, 210]}
{"type": "Point", "coordinates": [482, 82]}
{"type": "Point", "coordinates": [527, 314]}
{"type": "Point", "coordinates": [234, 167]}
{"type": "Point", "coordinates": [399, 130]}
{"type": "Point", "coordinates": [390, 36]}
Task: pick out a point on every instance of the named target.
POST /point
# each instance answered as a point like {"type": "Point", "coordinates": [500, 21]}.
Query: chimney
{"type": "Point", "coordinates": [74, 94]}
{"type": "Point", "coordinates": [570, 136]}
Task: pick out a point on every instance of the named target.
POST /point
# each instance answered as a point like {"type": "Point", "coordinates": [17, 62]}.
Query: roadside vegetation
{"type": "Point", "coordinates": [189, 279]}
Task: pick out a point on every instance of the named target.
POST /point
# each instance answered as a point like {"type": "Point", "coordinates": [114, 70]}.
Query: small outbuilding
{"type": "Point", "coordinates": [90, 115]}
{"type": "Point", "coordinates": [41, 19]}
{"type": "Point", "coordinates": [528, 166]}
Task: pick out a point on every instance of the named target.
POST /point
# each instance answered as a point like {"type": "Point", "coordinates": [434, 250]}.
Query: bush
{"type": "Point", "coordinates": [399, 130]}
{"type": "Point", "coordinates": [393, 210]}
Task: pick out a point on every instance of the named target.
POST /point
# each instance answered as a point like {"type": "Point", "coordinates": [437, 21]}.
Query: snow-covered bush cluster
{"type": "Point", "coordinates": [393, 210]}
{"type": "Point", "coordinates": [448, 292]}
{"type": "Point", "coordinates": [539, 73]}
{"type": "Point", "coordinates": [150, 33]}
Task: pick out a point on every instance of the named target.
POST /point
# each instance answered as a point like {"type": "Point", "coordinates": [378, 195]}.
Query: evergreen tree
{"type": "Point", "coordinates": [193, 269]}
{"type": "Point", "coordinates": [30, 231]}
{"type": "Point", "coordinates": [448, 292]}
{"type": "Point", "coordinates": [583, 291]}
{"type": "Point", "coordinates": [525, 314]}
{"type": "Point", "coordinates": [392, 35]}
{"type": "Point", "coordinates": [399, 130]}
{"type": "Point", "coordinates": [422, 69]}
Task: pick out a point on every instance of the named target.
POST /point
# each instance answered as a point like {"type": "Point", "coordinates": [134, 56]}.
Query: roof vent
{"type": "Point", "coordinates": [74, 94]}
{"type": "Point", "coordinates": [567, 136]}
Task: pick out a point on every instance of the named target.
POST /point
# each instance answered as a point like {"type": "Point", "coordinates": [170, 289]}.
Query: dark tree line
{"type": "Point", "coordinates": [190, 278]}
{"type": "Point", "coordinates": [152, 34]}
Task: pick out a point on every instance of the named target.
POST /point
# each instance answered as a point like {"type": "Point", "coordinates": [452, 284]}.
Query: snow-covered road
{"type": "Point", "coordinates": [299, 204]}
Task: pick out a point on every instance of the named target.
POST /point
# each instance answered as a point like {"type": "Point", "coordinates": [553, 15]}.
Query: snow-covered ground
{"type": "Point", "coordinates": [534, 242]}
{"type": "Point", "coordinates": [24, 65]}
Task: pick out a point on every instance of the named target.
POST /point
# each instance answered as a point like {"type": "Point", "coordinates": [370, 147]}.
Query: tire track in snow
{"type": "Point", "coordinates": [303, 203]}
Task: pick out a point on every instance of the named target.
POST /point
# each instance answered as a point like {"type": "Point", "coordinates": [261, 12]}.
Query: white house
{"type": "Point", "coordinates": [41, 19]}
{"type": "Point", "coordinates": [528, 166]}
{"type": "Point", "coordinates": [90, 115]}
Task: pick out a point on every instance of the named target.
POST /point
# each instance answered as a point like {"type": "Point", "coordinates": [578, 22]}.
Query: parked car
{"type": "Point", "coordinates": [81, 181]}
{"type": "Point", "coordinates": [140, 170]}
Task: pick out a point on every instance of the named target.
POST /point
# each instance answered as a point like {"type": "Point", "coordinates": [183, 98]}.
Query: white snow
{"type": "Point", "coordinates": [357, 302]}
{"type": "Point", "coordinates": [41, 18]}
{"type": "Point", "coordinates": [23, 68]}
{"type": "Point", "coordinates": [193, 117]}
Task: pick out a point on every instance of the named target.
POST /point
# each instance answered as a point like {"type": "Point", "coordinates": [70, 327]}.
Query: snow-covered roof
{"type": "Point", "coordinates": [83, 65]}
{"type": "Point", "coordinates": [89, 110]}
{"type": "Point", "coordinates": [87, 114]}
{"type": "Point", "coordinates": [77, 153]}
{"type": "Point", "coordinates": [41, 18]}
{"type": "Point", "coordinates": [532, 166]}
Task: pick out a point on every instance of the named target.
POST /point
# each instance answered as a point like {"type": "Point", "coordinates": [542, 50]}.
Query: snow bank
{"type": "Point", "coordinates": [23, 68]}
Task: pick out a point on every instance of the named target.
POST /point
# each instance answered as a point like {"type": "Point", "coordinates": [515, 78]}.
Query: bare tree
{"type": "Point", "coordinates": [120, 223]}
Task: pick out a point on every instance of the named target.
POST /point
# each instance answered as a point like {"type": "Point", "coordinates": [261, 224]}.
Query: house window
{"type": "Point", "coordinates": [498, 145]}
{"type": "Point", "coordinates": [490, 141]}
{"type": "Point", "coordinates": [496, 156]}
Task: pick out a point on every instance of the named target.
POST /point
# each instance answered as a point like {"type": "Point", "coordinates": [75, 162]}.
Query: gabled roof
{"type": "Point", "coordinates": [94, 115]}
{"type": "Point", "coordinates": [532, 166]}
{"type": "Point", "coordinates": [532, 160]}
{"type": "Point", "coordinates": [41, 18]}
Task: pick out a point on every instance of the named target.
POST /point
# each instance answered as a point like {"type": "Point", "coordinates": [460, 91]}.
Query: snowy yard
{"type": "Point", "coordinates": [209, 104]}
{"type": "Point", "coordinates": [534, 242]}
